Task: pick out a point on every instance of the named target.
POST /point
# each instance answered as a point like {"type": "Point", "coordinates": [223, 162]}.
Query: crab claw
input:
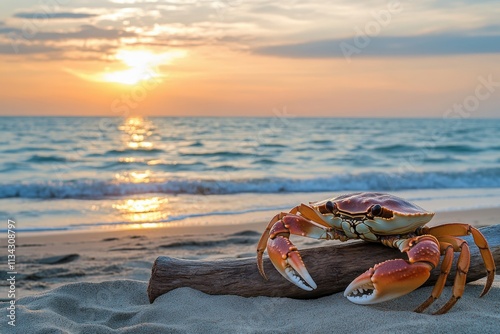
{"type": "Point", "coordinates": [387, 280]}
{"type": "Point", "coordinates": [287, 260]}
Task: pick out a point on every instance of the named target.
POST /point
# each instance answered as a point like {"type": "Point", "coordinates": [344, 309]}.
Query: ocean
{"type": "Point", "coordinates": [90, 173]}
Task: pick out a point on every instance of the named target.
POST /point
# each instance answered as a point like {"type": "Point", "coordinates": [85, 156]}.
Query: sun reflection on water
{"type": "Point", "coordinates": [134, 177]}
{"type": "Point", "coordinates": [138, 135]}
{"type": "Point", "coordinates": [146, 211]}
{"type": "Point", "coordinates": [137, 131]}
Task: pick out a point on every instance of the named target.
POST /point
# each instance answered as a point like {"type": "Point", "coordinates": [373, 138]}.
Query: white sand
{"type": "Point", "coordinates": [103, 290]}
{"type": "Point", "coordinates": [122, 307]}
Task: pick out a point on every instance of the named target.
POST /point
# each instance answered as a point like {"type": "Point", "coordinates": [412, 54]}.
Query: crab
{"type": "Point", "coordinates": [382, 218]}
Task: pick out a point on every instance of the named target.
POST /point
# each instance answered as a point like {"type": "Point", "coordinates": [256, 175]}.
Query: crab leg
{"type": "Point", "coordinates": [463, 263]}
{"type": "Point", "coordinates": [447, 250]}
{"type": "Point", "coordinates": [283, 253]}
{"type": "Point", "coordinates": [461, 229]}
{"type": "Point", "coordinates": [395, 278]}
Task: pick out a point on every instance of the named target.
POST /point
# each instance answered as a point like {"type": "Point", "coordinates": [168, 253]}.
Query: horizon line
{"type": "Point", "coordinates": [248, 117]}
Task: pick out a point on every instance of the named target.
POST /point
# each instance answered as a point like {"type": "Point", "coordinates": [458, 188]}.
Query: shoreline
{"type": "Point", "coordinates": [164, 211]}
{"type": "Point", "coordinates": [476, 217]}
{"type": "Point", "coordinates": [49, 260]}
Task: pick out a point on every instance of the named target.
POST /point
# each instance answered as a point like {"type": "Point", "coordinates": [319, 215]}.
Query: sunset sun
{"type": "Point", "coordinates": [142, 65]}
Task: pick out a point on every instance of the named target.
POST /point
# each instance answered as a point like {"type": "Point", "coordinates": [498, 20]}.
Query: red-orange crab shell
{"type": "Point", "coordinates": [396, 215]}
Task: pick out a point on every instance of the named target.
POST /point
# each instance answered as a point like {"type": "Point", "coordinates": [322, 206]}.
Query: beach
{"type": "Point", "coordinates": [95, 282]}
{"type": "Point", "coordinates": [93, 202]}
{"type": "Point", "coordinates": [159, 158]}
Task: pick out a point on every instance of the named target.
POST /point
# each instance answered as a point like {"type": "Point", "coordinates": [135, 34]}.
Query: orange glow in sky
{"type": "Point", "coordinates": [239, 58]}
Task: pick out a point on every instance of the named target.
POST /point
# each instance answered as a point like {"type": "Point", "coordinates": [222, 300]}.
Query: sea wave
{"type": "Point", "coordinates": [133, 151]}
{"type": "Point", "coordinates": [46, 159]}
{"type": "Point", "coordinates": [369, 181]}
{"type": "Point", "coordinates": [226, 154]}
{"type": "Point", "coordinates": [27, 149]}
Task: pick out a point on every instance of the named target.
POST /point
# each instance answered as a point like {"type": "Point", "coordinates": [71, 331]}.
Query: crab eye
{"type": "Point", "coordinates": [376, 210]}
{"type": "Point", "coordinates": [331, 207]}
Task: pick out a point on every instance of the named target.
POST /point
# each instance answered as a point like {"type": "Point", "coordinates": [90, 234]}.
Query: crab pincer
{"type": "Point", "coordinates": [287, 260]}
{"type": "Point", "coordinates": [395, 278]}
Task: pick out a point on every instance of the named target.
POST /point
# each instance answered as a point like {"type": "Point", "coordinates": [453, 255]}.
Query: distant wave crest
{"type": "Point", "coordinates": [46, 159]}
{"type": "Point", "coordinates": [92, 189]}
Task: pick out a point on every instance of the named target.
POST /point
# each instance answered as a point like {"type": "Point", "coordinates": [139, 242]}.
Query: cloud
{"type": "Point", "coordinates": [8, 30]}
{"type": "Point", "coordinates": [85, 32]}
{"type": "Point", "coordinates": [45, 16]}
{"type": "Point", "coordinates": [17, 42]}
{"type": "Point", "coordinates": [23, 49]}
{"type": "Point", "coordinates": [388, 46]}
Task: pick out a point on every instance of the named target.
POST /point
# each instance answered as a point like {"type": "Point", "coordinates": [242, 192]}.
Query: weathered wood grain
{"type": "Point", "coordinates": [332, 267]}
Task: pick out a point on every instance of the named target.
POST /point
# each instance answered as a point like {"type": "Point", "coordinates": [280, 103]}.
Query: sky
{"type": "Point", "coordinates": [250, 58]}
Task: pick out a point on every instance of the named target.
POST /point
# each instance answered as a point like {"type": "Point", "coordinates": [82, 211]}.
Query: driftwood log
{"type": "Point", "coordinates": [332, 267]}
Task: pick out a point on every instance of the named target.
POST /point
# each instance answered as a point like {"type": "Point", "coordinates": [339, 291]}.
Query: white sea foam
{"type": "Point", "coordinates": [370, 181]}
